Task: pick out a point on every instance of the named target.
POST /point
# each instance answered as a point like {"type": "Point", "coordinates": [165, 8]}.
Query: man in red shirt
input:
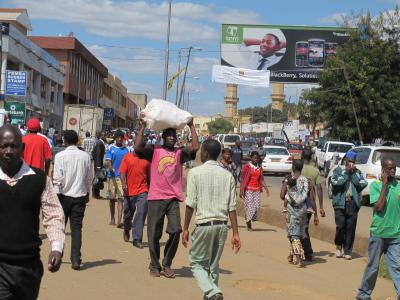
{"type": "Point", "coordinates": [37, 152]}
{"type": "Point", "coordinates": [135, 177]}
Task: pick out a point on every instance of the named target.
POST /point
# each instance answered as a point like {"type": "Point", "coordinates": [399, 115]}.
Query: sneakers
{"type": "Point", "coordinates": [347, 257]}
{"type": "Point", "coordinates": [126, 235]}
{"type": "Point", "coordinates": [339, 251]}
{"type": "Point", "coordinates": [137, 244]}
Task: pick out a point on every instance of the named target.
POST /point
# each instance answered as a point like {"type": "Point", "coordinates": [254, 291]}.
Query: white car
{"type": "Point", "coordinates": [277, 160]}
{"type": "Point", "coordinates": [229, 140]}
{"type": "Point", "coordinates": [323, 157]}
{"type": "Point", "coordinates": [369, 163]}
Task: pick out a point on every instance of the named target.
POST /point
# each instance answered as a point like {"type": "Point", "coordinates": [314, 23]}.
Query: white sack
{"type": "Point", "coordinates": [160, 114]}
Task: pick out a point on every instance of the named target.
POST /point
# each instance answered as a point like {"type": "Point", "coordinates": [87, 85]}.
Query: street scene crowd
{"type": "Point", "coordinates": [144, 178]}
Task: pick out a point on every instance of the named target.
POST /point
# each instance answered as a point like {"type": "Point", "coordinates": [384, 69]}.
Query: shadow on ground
{"type": "Point", "coordinates": [186, 272]}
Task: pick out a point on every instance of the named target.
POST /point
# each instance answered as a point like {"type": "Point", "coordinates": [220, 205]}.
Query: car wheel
{"type": "Point", "coordinates": [330, 193]}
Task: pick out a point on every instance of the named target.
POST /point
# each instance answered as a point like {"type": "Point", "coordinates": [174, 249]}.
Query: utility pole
{"type": "Point", "coordinates": [353, 106]}
{"type": "Point", "coordinates": [177, 80]}
{"type": "Point", "coordinates": [184, 76]}
{"type": "Point", "coordinates": [1, 63]}
{"type": "Point", "coordinates": [165, 89]}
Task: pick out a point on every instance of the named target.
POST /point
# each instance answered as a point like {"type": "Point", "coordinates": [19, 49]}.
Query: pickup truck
{"type": "Point", "coordinates": [324, 156]}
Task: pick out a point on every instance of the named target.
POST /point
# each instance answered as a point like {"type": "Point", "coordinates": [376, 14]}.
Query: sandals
{"type": "Point", "coordinates": [168, 272]}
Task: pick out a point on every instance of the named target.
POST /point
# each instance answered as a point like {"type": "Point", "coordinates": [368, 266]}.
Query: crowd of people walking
{"type": "Point", "coordinates": [144, 181]}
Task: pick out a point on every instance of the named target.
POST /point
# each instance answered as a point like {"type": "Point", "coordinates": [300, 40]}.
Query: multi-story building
{"type": "Point", "coordinates": [132, 113]}
{"type": "Point", "coordinates": [139, 99]}
{"type": "Point", "coordinates": [200, 124]}
{"type": "Point", "coordinates": [44, 73]}
{"type": "Point", "coordinates": [115, 98]}
{"type": "Point", "coordinates": [85, 74]}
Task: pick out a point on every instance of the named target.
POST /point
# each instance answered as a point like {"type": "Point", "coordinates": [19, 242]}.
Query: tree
{"type": "Point", "coordinates": [263, 113]}
{"type": "Point", "coordinates": [219, 126]}
{"type": "Point", "coordinates": [366, 70]}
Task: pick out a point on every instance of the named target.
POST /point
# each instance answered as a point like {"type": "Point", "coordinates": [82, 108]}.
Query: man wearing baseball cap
{"type": "Point", "coordinates": [37, 152]}
{"type": "Point", "coordinates": [347, 185]}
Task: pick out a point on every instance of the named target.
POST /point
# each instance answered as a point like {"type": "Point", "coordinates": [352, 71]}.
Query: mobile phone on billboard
{"type": "Point", "coordinates": [301, 54]}
{"type": "Point", "coordinates": [316, 53]}
{"type": "Point", "coordinates": [330, 49]}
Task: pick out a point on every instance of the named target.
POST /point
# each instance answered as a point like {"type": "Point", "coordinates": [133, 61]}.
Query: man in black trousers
{"type": "Point", "coordinates": [98, 158]}
{"type": "Point", "coordinates": [24, 190]}
{"type": "Point", "coordinates": [72, 181]}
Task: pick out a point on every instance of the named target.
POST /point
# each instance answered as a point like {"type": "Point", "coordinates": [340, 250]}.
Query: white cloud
{"type": "Point", "coordinates": [190, 21]}
{"type": "Point", "coordinates": [334, 18]}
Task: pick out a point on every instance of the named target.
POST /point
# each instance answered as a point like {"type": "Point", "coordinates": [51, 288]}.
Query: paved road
{"type": "Point", "coordinates": [114, 269]}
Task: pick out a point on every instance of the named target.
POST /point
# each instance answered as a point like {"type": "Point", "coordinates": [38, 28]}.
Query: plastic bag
{"type": "Point", "coordinates": [160, 114]}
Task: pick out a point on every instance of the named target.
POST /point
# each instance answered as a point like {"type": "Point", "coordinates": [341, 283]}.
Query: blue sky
{"type": "Point", "coordinates": [129, 37]}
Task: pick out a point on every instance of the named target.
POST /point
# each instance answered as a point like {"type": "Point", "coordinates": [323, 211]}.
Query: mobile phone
{"type": "Point", "coordinates": [301, 54]}
{"type": "Point", "coordinates": [330, 49]}
{"type": "Point", "coordinates": [316, 53]}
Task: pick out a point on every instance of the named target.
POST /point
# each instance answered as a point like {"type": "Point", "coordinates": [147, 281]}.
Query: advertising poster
{"type": "Point", "coordinates": [293, 54]}
{"type": "Point", "coordinates": [16, 83]}
{"type": "Point", "coordinates": [16, 112]}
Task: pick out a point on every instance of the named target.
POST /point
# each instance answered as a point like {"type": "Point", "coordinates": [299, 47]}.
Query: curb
{"type": "Point", "coordinates": [321, 232]}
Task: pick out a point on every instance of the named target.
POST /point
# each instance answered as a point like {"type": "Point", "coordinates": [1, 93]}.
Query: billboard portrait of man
{"type": "Point", "coordinates": [270, 51]}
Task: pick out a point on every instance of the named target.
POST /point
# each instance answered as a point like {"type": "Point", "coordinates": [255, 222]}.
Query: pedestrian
{"type": "Point", "coordinates": [88, 143]}
{"type": "Point", "coordinates": [314, 182]}
{"type": "Point", "coordinates": [227, 163]}
{"type": "Point", "coordinates": [114, 156]}
{"type": "Point", "coordinates": [135, 177]}
{"type": "Point", "coordinates": [72, 182]}
{"type": "Point", "coordinates": [251, 185]}
{"type": "Point", "coordinates": [164, 196]}
{"type": "Point", "coordinates": [347, 185]}
{"type": "Point", "coordinates": [294, 191]}
{"type": "Point", "coordinates": [211, 193]}
{"type": "Point", "coordinates": [24, 190]}
{"type": "Point", "coordinates": [385, 229]}
{"type": "Point", "coordinates": [98, 159]}
{"type": "Point", "coordinates": [237, 158]}
{"type": "Point", "coordinates": [37, 151]}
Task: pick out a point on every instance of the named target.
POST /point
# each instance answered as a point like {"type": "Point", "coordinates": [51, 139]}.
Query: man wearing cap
{"type": "Point", "coordinates": [37, 152]}
{"type": "Point", "coordinates": [347, 185]}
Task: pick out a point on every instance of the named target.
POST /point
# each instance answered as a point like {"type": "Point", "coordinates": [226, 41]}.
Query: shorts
{"type": "Point", "coordinates": [114, 188]}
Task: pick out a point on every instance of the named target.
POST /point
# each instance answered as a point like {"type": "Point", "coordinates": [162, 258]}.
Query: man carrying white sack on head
{"type": "Point", "coordinates": [165, 190]}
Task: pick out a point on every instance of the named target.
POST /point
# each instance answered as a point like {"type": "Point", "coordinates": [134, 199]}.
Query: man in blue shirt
{"type": "Point", "coordinates": [114, 156]}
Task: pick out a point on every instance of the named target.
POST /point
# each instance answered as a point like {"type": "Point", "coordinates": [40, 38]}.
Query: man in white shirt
{"type": "Point", "coordinates": [72, 181]}
{"type": "Point", "coordinates": [267, 56]}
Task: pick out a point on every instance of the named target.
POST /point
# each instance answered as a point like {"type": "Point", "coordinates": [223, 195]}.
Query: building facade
{"type": "Point", "coordinates": [44, 73]}
{"type": "Point", "coordinates": [139, 99]}
{"type": "Point", "coordinates": [85, 74]}
{"type": "Point", "coordinates": [132, 113]}
{"type": "Point", "coordinates": [200, 124]}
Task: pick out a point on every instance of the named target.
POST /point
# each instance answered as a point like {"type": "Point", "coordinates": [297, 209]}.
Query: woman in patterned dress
{"type": "Point", "coordinates": [252, 184]}
{"type": "Point", "coordinates": [294, 192]}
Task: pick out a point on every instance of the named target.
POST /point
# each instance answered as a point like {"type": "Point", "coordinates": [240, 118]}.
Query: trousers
{"type": "Point", "coordinates": [74, 210]}
{"type": "Point", "coordinates": [204, 255]}
{"type": "Point", "coordinates": [306, 242]}
{"type": "Point", "coordinates": [21, 281]}
{"type": "Point", "coordinates": [346, 223]}
{"type": "Point", "coordinates": [157, 211]}
{"type": "Point", "coordinates": [136, 204]}
{"type": "Point", "coordinates": [376, 247]}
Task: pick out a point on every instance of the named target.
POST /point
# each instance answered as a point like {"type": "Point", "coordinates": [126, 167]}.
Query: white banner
{"type": "Point", "coordinates": [242, 76]}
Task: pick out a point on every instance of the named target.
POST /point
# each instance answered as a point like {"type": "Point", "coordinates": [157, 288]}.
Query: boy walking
{"type": "Point", "coordinates": [211, 192]}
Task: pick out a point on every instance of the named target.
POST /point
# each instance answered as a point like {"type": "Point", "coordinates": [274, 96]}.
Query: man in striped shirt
{"type": "Point", "coordinates": [211, 192]}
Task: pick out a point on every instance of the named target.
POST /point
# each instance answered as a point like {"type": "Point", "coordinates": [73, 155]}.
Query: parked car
{"type": "Point", "coordinates": [277, 142]}
{"type": "Point", "coordinates": [277, 159]}
{"type": "Point", "coordinates": [369, 163]}
{"type": "Point", "coordinates": [229, 140]}
{"type": "Point", "coordinates": [295, 149]}
{"type": "Point", "coordinates": [323, 157]}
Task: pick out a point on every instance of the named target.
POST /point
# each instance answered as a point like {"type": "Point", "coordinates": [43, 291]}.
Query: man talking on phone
{"type": "Point", "coordinates": [24, 191]}
{"type": "Point", "coordinates": [347, 185]}
{"type": "Point", "coordinates": [385, 229]}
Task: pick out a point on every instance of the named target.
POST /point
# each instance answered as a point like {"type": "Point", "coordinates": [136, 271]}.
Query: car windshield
{"type": "Point", "coordinates": [276, 151]}
{"type": "Point", "coordinates": [362, 155]}
{"type": "Point", "coordinates": [341, 148]}
{"type": "Point", "coordinates": [295, 147]}
{"type": "Point", "coordinates": [379, 154]}
{"type": "Point", "coordinates": [231, 138]}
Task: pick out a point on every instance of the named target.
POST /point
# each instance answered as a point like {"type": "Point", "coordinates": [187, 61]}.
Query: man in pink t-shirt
{"type": "Point", "coordinates": [165, 193]}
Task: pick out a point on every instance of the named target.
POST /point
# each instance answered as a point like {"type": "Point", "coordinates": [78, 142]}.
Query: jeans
{"type": "Point", "coordinates": [74, 210]}
{"type": "Point", "coordinates": [376, 247]}
{"type": "Point", "coordinates": [346, 223]}
{"type": "Point", "coordinates": [306, 242]}
{"type": "Point", "coordinates": [136, 203]}
{"type": "Point", "coordinates": [20, 281]}
{"type": "Point", "coordinates": [204, 255]}
{"type": "Point", "coordinates": [157, 211]}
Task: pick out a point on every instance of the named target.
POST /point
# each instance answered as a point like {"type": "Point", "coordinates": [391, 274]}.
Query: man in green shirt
{"type": "Point", "coordinates": [385, 230]}
{"type": "Point", "coordinates": [211, 192]}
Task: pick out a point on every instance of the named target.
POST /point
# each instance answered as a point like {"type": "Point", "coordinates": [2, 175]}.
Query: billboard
{"type": "Point", "coordinates": [108, 116]}
{"type": "Point", "coordinates": [16, 83]}
{"type": "Point", "coordinates": [294, 54]}
{"type": "Point", "coordinates": [16, 112]}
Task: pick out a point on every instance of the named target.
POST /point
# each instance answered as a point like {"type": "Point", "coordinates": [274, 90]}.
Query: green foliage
{"type": "Point", "coordinates": [220, 126]}
{"type": "Point", "coordinates": [371, 58]}
{"type": "Point", "coordinates": [263, 113]}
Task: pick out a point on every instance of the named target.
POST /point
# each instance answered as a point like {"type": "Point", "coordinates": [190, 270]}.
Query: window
{"type": "Point", "coordinates": [362, 155]}
{"type": "Point", "coordinates": [276, 151]}
{"type": "Point", "coordinates": [382, 153]}
{"type": "Point", "coordinates": [342, 148]}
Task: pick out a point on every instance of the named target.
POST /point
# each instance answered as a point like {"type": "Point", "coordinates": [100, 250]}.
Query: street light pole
{"type": "Point", "coordinates": [184, 76]}
{"type": "Point", "coordinates": [177, 80]}
{"type": "Point", "coordinates": [167, 53]}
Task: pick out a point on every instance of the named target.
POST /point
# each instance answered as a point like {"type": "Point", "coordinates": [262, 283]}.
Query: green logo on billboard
{"type": "Point", "coordinates": [16, 112]}
{"type": "Point", "coordinates": [232, 34]}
